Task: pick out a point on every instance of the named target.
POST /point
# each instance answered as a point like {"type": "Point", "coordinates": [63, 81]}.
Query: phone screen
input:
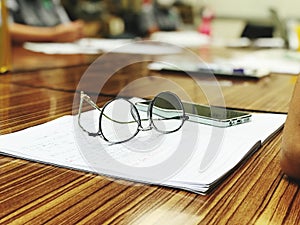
{"type": "Point", "coordinates": [211, 115]}
{"type": "Point", "coordinates": [211, 112]}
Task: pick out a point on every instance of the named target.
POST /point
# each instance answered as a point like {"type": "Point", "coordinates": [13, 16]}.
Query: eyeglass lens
{"type": "Point", "coordinates": [167, 112]}
{"type": "Point", "coordinates": [119, 121]}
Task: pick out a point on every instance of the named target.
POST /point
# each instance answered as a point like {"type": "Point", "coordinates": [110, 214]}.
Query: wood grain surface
{"type": "Point", "coordinates": [257, 192]}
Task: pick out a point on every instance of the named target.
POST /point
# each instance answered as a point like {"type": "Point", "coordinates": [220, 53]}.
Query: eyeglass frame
{"type": "Point", "coordinates": [85, 97]}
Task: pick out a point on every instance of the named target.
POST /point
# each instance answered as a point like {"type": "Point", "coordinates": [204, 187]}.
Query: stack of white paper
{"type": "Point", "coordinates": [102, 45]}
{"type": "Point", "coordinates": [195, 158]}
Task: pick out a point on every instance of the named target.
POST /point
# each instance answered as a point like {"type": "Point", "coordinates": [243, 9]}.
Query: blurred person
{"type": "Point", "coordinates": [160, 15]}
{"type": "Point", "coordinates": [42, 21]}
{"type": "Point", "coordinates": [290, 150]}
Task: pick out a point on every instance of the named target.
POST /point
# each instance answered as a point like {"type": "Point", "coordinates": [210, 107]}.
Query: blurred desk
{"type": "Point", "coordinates": [25, 60]}
{"type": "Point", "coordinates": [256, 193]}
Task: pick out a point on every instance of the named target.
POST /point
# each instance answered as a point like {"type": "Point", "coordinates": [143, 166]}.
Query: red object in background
{"type": "Point", "coordinates": [205, 26]}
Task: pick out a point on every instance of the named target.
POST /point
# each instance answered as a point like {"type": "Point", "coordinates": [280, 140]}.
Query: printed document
{"type": "Point", "coordinates": [195, 158]}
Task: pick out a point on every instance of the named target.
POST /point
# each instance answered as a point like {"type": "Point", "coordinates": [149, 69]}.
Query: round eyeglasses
{"type": "Point", "coordinates": [120, 119]}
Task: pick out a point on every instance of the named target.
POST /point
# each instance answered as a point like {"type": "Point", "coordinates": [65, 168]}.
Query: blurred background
{"type": "Point", "coordinates": [228, 19]}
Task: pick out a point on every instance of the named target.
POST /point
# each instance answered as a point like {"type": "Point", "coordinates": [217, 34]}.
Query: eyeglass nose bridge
{"type": "Point", "coordinates": [141, 127]}
{"type": "Point", "coordinates": [149, 127]}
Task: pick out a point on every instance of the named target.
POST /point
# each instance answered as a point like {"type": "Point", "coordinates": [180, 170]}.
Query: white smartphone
{"type": "Point", "coordinates": [210, 115]}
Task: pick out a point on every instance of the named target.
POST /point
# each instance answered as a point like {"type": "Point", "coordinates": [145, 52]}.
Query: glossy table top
{"type": "Point", "coordinates": [257, 192]}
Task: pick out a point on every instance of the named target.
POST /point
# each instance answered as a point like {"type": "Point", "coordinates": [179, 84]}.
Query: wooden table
{"type": "Point", "coordinates": [45, 87]}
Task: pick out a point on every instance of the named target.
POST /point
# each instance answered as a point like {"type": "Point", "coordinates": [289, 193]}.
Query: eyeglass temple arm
{"type": "Point", "coordinates": [87, 98]}
{"type": "Point", "coordinates": [185, 117]}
